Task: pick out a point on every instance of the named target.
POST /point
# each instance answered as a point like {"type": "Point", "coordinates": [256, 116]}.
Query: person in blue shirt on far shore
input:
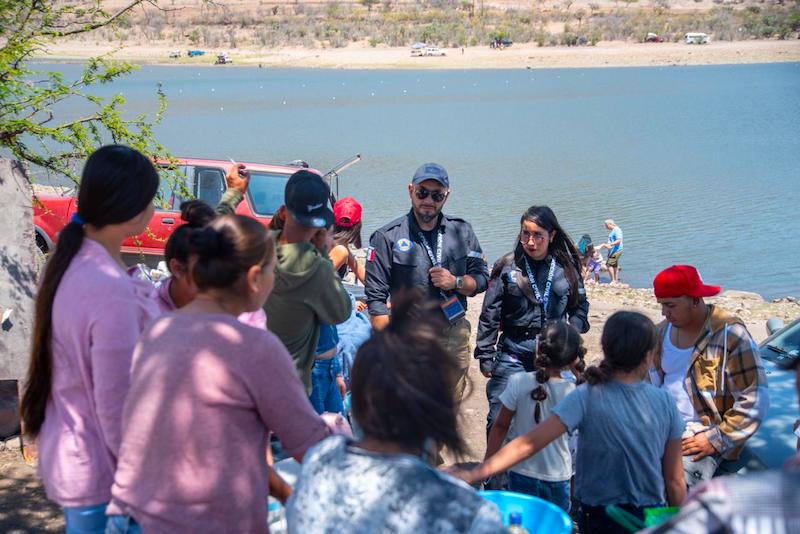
{"type": "Point", "coordinates": [614, 247]}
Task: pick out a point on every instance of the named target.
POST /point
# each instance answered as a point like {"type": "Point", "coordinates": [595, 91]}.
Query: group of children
{"type": "Point", "coordinates": [152, 409]}
{"type": "Point", "coordinates": [628, 431]}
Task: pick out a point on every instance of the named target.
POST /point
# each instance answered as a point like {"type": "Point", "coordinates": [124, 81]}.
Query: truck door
{"type": "Point", "coordinates": [176, 185]}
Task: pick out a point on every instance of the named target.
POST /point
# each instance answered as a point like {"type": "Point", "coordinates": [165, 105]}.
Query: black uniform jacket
{"type": "Point", "coordinates": [397, 259]}
{"type": "Point", "coordinates": [511, 309]}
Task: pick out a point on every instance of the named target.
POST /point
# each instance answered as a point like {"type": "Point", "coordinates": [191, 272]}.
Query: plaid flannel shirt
{"type": "Point", "coordinates": [725, 381]}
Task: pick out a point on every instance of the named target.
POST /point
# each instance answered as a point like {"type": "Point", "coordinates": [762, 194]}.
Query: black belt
{"type": "Point", "coordinates": [521, 333]}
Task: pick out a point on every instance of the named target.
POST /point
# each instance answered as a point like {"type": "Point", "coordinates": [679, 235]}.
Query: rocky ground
{"type": "Point", "coordinates": [24, 508]}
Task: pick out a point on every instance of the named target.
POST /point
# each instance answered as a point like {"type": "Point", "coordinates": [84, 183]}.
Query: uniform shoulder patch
{"type": "Point", "coordinates": [370, 254]}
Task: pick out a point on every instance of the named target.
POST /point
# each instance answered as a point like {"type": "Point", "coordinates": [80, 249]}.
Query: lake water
{"type": "Point", "coordinates": [697, 165]}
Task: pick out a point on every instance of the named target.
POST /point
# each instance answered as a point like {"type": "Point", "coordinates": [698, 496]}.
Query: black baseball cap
{"type": "Point", "coordinates": [431, 171]}
{"type": "Point", "coordinates": [306, 197]}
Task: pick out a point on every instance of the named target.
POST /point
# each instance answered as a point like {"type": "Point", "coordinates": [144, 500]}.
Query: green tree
{"type": "Point", "coordinates": [34, 124]}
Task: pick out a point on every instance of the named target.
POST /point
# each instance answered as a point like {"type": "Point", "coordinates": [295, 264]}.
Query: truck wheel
{"type": "Point", "coordinates": [41, 252]}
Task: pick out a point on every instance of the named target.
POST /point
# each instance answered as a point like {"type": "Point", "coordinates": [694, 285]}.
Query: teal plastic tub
{"type": "Point", "coordinates": [538, 515]}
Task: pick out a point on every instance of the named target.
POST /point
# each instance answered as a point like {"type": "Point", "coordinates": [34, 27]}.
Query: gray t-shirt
{"type": "Point", "coordinates": [343, 488]}
{"type": "Point", "coordinates": [624, 430]}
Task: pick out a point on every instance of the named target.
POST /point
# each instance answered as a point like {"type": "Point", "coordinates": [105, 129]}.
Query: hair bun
{"type": "Point", "coordinates": [197, 213]}
{"type": "Point", "coordinates": [210, 243]}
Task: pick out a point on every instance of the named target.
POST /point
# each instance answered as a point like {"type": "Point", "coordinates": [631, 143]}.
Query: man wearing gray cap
{"type": "Point", "coordinates": [435, 253]}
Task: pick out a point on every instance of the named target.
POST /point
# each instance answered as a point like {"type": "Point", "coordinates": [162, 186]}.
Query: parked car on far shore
{"type": "Point", "coordinates": [696, 38]}
{"type": "Point", "coordinates": [434, 51]}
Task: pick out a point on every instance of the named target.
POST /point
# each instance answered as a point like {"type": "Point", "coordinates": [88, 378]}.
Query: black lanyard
{"type": "Point", "coordinates": [544, 299]}
{"type": "Point", "coordinates": [436, 259]}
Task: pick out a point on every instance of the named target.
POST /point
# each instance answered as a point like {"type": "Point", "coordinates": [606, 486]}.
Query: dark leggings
{"type": "Point", "coordinates": [594, 520]}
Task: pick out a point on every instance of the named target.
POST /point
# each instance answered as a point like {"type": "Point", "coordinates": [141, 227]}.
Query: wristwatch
{"type": "Point", "coordinates": [459, 282]}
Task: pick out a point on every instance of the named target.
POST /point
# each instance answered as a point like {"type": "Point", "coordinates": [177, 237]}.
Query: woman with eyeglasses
{"type": "Point", "coordinates": [538, 282]}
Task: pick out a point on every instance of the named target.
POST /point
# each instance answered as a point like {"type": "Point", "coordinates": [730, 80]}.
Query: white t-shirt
{"type": "Point", "coordinates": [554, 462]}
{"type": "Point", "coordinates": [675, 364]}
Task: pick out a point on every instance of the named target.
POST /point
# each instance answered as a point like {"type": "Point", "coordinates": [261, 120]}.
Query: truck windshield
{"type": "Point", "coordinates": [266, 191]}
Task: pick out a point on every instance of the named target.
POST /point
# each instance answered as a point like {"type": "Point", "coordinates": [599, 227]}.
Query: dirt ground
{"type": "Point", "coordinates": [24, 507]}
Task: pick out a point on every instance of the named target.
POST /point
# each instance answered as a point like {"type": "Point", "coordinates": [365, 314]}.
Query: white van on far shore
{"type": "Point", "coordinates": [696, 38]}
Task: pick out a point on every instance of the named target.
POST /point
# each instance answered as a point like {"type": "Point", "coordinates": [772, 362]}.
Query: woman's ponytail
{"type": "Point", "coordinates": [40, 370]}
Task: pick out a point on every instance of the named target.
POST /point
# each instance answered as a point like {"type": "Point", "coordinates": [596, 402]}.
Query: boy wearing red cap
{"type": "Point", "coordinates": [710, 364]}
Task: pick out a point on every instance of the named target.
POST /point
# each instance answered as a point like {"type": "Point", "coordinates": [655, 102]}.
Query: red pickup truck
{"type": "Point", "coordinates": [202, 178]}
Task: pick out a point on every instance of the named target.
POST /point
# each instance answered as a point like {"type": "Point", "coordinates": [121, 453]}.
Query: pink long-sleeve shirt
{"type": "Point", "coordinates": [257, 319]}
{"type": "Point", "coordinates": [98, 314]}
{"type": "Point", "coordinates": [205, 391]}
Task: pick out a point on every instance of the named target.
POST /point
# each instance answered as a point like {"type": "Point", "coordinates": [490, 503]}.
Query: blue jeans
{"type": "Point", "coordinates": [85, 519]}
{"type": "Point", "coordinates": [122, 524]}
{"type": "Point", "coordinates": [554, 492]}
{"type": "Point", "coordinates": [504, 368]}
{"type": "Point", "coordinates": [325, 396]}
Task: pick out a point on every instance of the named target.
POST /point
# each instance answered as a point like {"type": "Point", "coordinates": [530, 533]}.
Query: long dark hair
{"type": "Point", "coordinates": [561, 248]}
{"type": "Point", "coordinates": [559, 345]}
{"type": "Point", "coordinates": [347, 235]}
{"type": "Point", "coordinates": [226, 249]}
{"type": "Point", "coordinates": [627, 338]}
{"type": "Point", "coordinates": [117, 184]}
{"type": "Point", "coordinates": [403, 380]}
{"type": "Point", "coordinates": [196, 214]}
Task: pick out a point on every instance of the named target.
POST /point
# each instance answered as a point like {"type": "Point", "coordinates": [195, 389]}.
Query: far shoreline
{"type": "Point", "coordinates": [360, 56]}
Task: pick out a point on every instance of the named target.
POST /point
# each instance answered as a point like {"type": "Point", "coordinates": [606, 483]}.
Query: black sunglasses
{"type": "Point", "coordinates": [423, 193]}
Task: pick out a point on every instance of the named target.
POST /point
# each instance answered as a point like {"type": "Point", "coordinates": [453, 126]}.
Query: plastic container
{"type": "Point", "coordinates": [538, 515]}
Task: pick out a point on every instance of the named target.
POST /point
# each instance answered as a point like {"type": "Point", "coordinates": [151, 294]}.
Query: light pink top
{"type": "Point", "coordinates": [193, 455]}
{"type": "Point", "coordinates": [98, 314]}
{"type": "Point", "coordinates": [257, 319]}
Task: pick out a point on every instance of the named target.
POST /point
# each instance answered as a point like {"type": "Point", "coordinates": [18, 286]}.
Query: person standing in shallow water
{"type": "Point", "coordinates": [435, 253]}
{"type": "Point", "coordinates": [538, 282]}
{"type": "Point", "coordinates": [614, 247]}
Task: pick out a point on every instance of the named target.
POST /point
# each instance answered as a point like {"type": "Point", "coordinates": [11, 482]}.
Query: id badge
{"type": "Point", "coordinates": [453, 309]}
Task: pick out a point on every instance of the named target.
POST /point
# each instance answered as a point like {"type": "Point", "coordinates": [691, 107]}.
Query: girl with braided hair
{"type": "Point", "coordinates": [527, 401]}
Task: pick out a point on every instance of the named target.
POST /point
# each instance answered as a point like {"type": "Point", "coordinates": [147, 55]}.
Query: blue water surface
{"type": "Point", "coordinates": [698, 165]}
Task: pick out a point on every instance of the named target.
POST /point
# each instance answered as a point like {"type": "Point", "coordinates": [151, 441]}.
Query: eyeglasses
{"type": "Point", "coordinates": [423, 193]}
{"type": "Point", "coordinates": [525, 236]}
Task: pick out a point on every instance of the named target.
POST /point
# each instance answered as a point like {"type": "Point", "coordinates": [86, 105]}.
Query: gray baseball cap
{"type": "Point", "coordinates": [431, 171]}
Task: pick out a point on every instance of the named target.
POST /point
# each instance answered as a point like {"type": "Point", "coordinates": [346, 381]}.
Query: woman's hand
{"type": "Point", "coordinates": [361, 306]}
{"type": "Point", "coordinates": [341, 385]}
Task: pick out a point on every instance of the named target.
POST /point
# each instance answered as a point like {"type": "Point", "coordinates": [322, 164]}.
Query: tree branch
{"type": "Point", "coordinates": [98, 24]}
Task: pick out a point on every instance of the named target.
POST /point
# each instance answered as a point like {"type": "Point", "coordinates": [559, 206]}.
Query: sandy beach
{"type": "Point", "coordinates": [520, 55]}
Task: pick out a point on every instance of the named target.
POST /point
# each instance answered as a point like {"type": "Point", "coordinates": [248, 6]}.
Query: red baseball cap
{"type": "Point", "coordinates": [682, 281]}
{"type": "Point", "coordinates": [347, 211]}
